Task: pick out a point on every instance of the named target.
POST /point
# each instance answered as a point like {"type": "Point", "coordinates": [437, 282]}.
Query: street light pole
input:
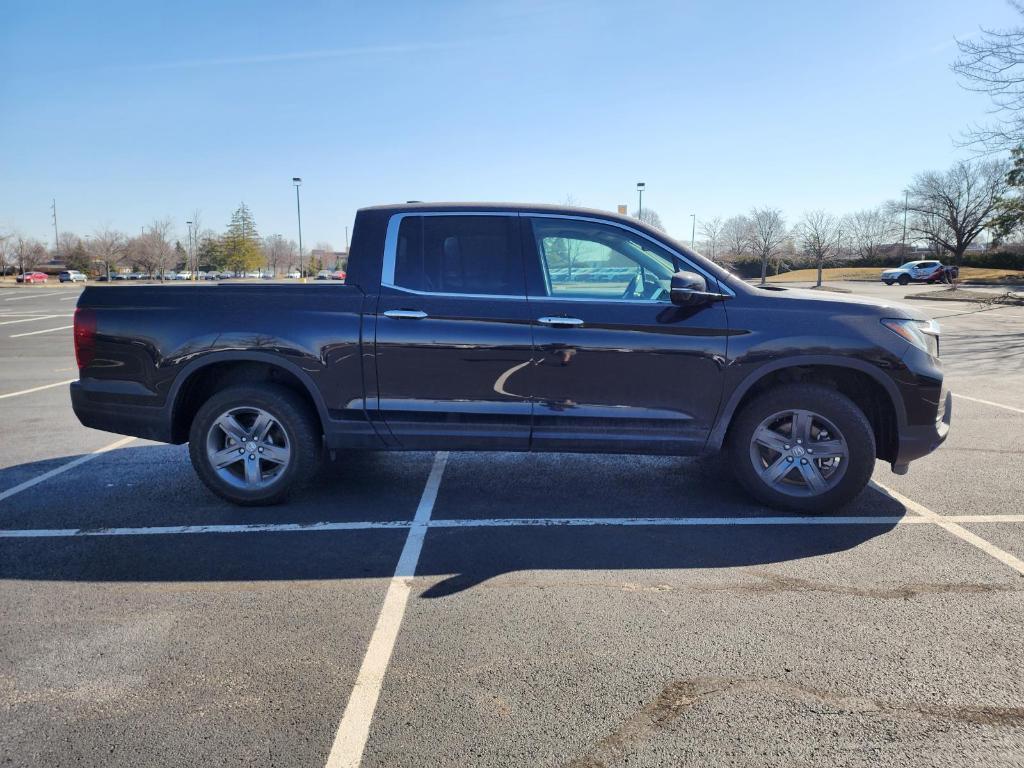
{"type": "Point", "coordinates": [298, 211]}
{"type": "Point", "coordinates": [640, 187]}
{"type": "Point", "coordinates": [693, 229]}
{"type": "Point", "coordinates": [191, 261]}
{"type": "Point", "coordinates": [903, 245]}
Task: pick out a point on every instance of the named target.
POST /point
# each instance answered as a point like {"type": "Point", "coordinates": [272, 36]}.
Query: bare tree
{"type": "Point", "coordinates": [7, 257]}
{"type": "Point", "coordinates": [711, 231]}
{"type": "Point", "coordinates": [768, 236]}
{"type": "Point", "coordinates": [993, 63]}
{"type": "Point", "coordinates": [951, 209]}
{"type": "Point", "coordinates": [154, 250]}
{"type": "Point", "coordinates": [736, 236]}
{"type": "Point", "coordinates": [108, 246]}
{"type": "Point", "coordinates": [29, 253]}
{"type": "Point", "coordinates": [817, 234]}
{"type": "Point", "coordinates": [276, 252]}
{"type": "Point", "coordinates": [197, 225]}
{"type": "Point", "coordinates": [650, 217]}
{"type": "Point", "coordinates": [868, 230]}
{"type": "Point", "coordinates": [66, 244]}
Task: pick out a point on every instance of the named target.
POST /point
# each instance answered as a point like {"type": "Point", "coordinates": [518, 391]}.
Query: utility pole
{"type": "Point", "coordinates": [56, 237]}
{"type": "Point", "coordinates": [693, 229]}
{"type": "Point", "coordinates": [640, 187]}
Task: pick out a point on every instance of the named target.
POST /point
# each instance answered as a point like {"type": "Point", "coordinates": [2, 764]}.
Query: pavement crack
{"type": "Point", "coordinates": [680, 696]}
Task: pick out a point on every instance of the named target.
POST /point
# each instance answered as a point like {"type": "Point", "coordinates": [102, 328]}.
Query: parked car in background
{"type": "Point", "coordinates": [71, 276]}
{"type": "Point", "coordinates": [211, 275]}
{"type": "Point", "coordinates": [323, 274]}
{"type": "Point", "coordinates": [295, 274]}
{"type": "Point", "coordinates": [338, 274]}
{"type": "Point", "coordinates": [925, 271]}
{"type": "Point", "coordinates": [183, 275]}
{"type": "Point", "coordinates": [30, 277]}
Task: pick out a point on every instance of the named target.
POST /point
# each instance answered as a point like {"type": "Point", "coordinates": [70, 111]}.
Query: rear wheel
{"type": "Point", "coordinates": [804, 447]}
{"type": "Point", "coordinates": [253, 444]}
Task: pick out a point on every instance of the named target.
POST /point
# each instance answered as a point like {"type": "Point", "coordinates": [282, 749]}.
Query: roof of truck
{"type": "Point", "coordinates": [492, 206]}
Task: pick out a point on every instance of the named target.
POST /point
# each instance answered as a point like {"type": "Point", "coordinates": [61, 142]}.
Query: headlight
{"type": "Point", "coordinates": [923, 334]}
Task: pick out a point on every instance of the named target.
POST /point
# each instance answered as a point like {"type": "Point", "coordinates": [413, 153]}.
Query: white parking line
{"type": "Point", "coordinates": [29, 319]}
{"type": "Point", "coordinates": [32, 296]}
{"type": "Point", "coordinates": [955, 528]}
{"type": "Point", "coordinates": [178, 530]}
{"type": "Point", "coordinates": [46, 330]}
{"type": "Point", "coordinates": [69, 298]}
{"type": "Point", "coordinates": [512, 522]}
{"type": "Point", "coordinates": [36, 389]}
{"type": "Point", "coordinates": [354, 729]}
{"type": "Point", "coordinates": [988, 402]}
{"type": "Point", "coordinates": [64, 468]}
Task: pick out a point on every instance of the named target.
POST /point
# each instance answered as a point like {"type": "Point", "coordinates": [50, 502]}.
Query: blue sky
{"type": "Point", "coordinates": [125, 112]}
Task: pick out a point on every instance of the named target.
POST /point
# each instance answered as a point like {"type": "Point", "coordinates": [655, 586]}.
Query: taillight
{"type": "Point", "coordinates": [85, 336]}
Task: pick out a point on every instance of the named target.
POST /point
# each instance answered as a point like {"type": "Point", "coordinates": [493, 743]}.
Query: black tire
{"type": "Point", "coordinates": [887, 282]}
{"type": "Point", "coordinates": [903, 280]}
{"type": "Point", "coordinates": [836, 408]}
{"type": "Point", "coordinates": [296, 420]}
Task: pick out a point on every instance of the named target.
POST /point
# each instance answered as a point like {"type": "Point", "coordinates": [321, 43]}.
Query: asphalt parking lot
{"type": "Point", "coordinates": [503, 609]}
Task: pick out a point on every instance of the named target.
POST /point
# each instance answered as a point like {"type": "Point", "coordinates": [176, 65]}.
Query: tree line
{"type": "Point", "coordinates": [159, 249]}
{"type": "Point", "coordinates": [944, 212]}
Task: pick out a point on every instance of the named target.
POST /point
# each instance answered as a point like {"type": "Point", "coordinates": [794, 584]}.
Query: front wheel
{"type": "Point", "coordinates": [253, 444]}
{"type": "Point", "coordinates": [803, 447]}
{"type": "Point", "coordinates": [887, 282]}
{"type": "Point", "coordinates": [904, 280]}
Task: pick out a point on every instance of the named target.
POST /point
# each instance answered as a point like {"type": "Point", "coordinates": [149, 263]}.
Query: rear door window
{"type": "Point", "coordinates": [459, 254]}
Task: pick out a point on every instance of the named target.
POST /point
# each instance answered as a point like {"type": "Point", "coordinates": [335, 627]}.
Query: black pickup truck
{"type": "Point", "coordinates": [486, 327]}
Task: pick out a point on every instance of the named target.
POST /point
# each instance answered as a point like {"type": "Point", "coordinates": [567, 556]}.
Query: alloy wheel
{"type": "Point", "coordinates": [248, 448]}
{"type": "Point", "coordinates": [799, 453]}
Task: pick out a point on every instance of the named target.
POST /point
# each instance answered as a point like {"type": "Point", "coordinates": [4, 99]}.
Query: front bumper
{"type": "Point", "coordinates": [918, 441]}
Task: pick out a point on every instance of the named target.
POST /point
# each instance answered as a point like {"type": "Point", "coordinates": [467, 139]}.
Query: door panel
{"type": "Point", "coordinates": [637, 373]}
{"type": "Point", "coordinates": [449, 364]}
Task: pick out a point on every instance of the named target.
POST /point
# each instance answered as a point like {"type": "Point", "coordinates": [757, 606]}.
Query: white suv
{"type": "Point", "coordinates": [72, 276]}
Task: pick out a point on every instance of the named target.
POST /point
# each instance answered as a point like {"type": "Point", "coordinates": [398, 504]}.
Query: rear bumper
{"type": "Point", "coordinates": [99, 407]}
{"type": "Point", "coordinates": [918, 441]}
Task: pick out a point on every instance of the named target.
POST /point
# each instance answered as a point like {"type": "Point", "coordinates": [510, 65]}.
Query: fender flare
{"type": "Point", "coordinates": [212, 358]}
{"type": "Point", "coordinates": [717, 434]}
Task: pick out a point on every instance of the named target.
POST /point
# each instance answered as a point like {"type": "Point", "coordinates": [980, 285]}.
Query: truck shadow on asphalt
{"type": "Point", "coordinates": [491, 487]}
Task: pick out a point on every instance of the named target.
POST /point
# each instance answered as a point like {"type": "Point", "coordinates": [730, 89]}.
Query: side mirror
{"type": "Point", "coordinates": [688, 289]}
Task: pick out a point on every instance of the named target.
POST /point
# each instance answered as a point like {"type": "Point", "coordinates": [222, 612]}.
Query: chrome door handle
{"type": "Point", "coordinates": [567, 321]}
{"type": "Point", "coordinates": [405, 314]}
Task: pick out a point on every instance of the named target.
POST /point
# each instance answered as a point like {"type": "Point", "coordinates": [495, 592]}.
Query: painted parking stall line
{"type": "Point", "coordinates": [28, 319]}
{"type": "Point", "coordinates": [955, 528]}
{"type": "Point", "coordinates": [186, 530]}
{"type": "Point", "coordinates": [45, 330]}
{"type": "Point", "coordinates": [64, 468]}
{"type": "Point", "coordinates": [988, 402]}
{"type": "Point", "coordinates": [354, 729]}
{"type": "Point", "coordinates": [36, 389]}
{"type": "Point", "coordinates": [32, 296]}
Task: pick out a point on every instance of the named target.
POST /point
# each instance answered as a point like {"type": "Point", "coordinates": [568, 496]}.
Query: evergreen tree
{"type": "Point", "coordinates": [210, 254]}
{"type": "Point", "coordinates": [180, 256]}
{"type": "Point", "coordinates": [241, 243]}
